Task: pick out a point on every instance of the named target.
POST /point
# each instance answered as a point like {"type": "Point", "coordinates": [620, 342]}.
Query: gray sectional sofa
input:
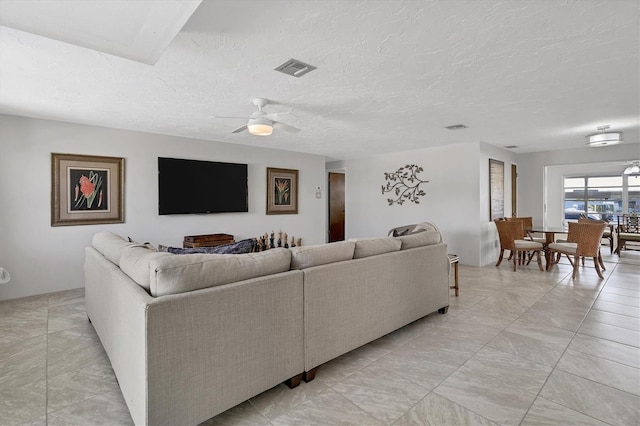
{"type": "Point", "coordinates": [190, 336]}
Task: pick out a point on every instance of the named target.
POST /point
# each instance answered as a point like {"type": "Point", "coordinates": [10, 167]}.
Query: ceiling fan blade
{"type": "Point", "coordinates": [288, 128]}
{"type": "Point", "coordinates": [279, 115]}
{"type": "Point", "coordinates": [240, 129]}
{"type": "Point", "coordinates": [222, 116]}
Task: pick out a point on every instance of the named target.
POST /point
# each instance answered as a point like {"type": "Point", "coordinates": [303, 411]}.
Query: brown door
{"type": "Point", "coordinates": [514, 190]}
{"type": "Point", "coordinates": [336, 207]}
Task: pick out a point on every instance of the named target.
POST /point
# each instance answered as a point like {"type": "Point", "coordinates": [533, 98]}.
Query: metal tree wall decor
{"type": "Point", "coordinates": [404, 184]}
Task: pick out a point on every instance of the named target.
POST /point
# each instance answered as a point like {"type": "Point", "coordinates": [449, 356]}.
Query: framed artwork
{"type": "Point", "coordinates": [86, 189]}
{"type": "Point", "coordinates": [496, 189]}
{"type": "Point", "coordinates": [282, 191]}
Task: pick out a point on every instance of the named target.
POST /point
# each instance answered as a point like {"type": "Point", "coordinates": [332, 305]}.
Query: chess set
{"type": "Point", "coordinates": [268, 241]}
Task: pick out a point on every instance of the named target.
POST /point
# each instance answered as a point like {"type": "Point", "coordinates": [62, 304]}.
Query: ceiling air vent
{"type": "Point", "coordinates": [456, 127]}
{"type": "Point", "coordinates": [511, 146]}
{"type": "Point", "coordinates": [295, 68]}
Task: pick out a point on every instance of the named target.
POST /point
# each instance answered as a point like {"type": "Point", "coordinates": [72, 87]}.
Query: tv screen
{"type": "Point", "coordinates": [193, 186]}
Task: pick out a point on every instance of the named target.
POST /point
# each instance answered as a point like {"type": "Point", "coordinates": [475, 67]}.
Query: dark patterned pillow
{"type": "Point", "coordinates": [401, 233]}
{"type": "Point", "coordinates": [244, 246]}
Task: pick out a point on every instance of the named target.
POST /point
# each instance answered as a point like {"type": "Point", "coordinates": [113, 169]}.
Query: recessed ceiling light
{"type": "Point", "coordinates": [456, 127]}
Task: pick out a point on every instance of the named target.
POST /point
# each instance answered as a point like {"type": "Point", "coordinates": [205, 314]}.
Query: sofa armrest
{"type": "Point", "coordinates": [211, 349]}
{"type": "Point", "coordinates": [116, 306]}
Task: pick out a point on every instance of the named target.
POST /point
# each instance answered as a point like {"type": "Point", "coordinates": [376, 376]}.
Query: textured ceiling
{"type": "Point", "coordinates": [143, 36]}
{"type": "Point", "coordinates": [391, 75]}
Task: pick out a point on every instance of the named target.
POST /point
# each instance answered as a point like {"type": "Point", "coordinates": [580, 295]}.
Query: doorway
{"type": "Point", "coordinates": [514, 190]}
{"type": "Point", "coordinates": [336, 207]}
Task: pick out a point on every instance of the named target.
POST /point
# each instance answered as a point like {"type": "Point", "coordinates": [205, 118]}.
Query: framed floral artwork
{"type": "Point", "coordinates": [282, 191]}
{"type": "Point", "coordinates": [86, 189]}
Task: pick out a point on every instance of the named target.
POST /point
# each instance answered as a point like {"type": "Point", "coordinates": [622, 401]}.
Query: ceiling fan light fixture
{"type": "Point", "coordinates": [604, 138]}
{"type": "Point", "coordinates": [633, 169]}
{"type": "Point", "coordinates": [260, 126]}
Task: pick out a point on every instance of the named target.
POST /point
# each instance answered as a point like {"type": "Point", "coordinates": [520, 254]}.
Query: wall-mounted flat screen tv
{"type": "Point", "coordinates": [194, 186]}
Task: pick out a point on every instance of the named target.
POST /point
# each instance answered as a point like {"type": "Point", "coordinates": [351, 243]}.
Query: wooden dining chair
{"type": "Point", "coordinates": [608, 230]}
{"type": "Point", "coordinates": [527, 223]}
{"type": "Point", "coordinates": [627, 231]}
{"type": "Point", "coordinates": [511, 234]}
{"type": "Point", "coordinates": [584, 219]}
{"type": "Point", "coordinates": [583, 240]}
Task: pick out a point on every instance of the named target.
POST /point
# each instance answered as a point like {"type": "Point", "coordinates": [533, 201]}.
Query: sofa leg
{"type": "Point", "coordinates": [443, 310]}
{"type": "Point", "coordinates": [294, 381]}
{"type": "Point", "coordinates": [309, 375]}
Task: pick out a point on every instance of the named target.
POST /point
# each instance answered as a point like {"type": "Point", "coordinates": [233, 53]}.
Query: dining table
{"type": "Point", "coordinates": [550, 236]}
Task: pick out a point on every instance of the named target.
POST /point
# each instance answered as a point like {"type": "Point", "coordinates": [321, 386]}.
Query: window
{"type": "Point", "coordinates": [633, 199]}
{"type": "Point", "coordinates": [600, 197]}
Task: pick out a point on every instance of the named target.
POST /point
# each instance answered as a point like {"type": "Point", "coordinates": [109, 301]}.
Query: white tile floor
{"type": "Point", "coordinates": [526, 348]}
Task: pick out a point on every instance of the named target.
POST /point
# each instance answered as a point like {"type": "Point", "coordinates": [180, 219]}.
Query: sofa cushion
{"type": "Point", "coordinates": [178, 274]}
{"type": "Point", "coordinates": [308, 256]}
{"type": "Point", "coordinates": [366, 247]}
{"type": "Point", "coordinates": [136, 261]}
{"type": "Point", "coordinates": [565, 247]}
{"type": "Point", "coordinates": [110, 245]}
{"type": "Point", "coordinates": [419, 239]}
{"type": "Point", "coordinates": [629, 236]}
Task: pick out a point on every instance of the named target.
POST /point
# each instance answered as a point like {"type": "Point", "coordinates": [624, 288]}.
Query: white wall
{"type": "Point", "coordinates": [535, 191]}
{"type": "Point", "coordinates": [451, 200]}
{"type": "Point", "coordinates": [42, 259]}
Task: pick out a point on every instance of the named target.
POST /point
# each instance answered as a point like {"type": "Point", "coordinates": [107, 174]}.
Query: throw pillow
{"type": "Point", "coordinates": [244, 246]}
{"type": "Point", "coordinates": [321, 254]}
{"type": "Point", "coordinates": [399, 234]}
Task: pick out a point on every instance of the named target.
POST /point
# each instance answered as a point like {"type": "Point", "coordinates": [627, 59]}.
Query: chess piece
{"type": "Point", "coordinates": [293, 242]}
{"type": "Point", "coordinates": [299, 242]}
{"type": "Point", "coordinates": [280, 239]}
{"type": "Point", "coordinates": [286, 240]}
{"type": "Point", "coordinates": [271, 241]}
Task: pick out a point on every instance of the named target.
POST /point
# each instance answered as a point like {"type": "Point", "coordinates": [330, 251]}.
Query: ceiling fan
{"type": "Point", "coordinates": [262, 124]}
